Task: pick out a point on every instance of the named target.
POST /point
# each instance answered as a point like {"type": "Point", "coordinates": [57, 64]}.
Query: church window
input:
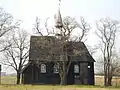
{"type": "Point", "coordinates": [43, 68]}
{"type": "Point", "coordinates": [76, 68]}
{"type": "Point", "coordinates": [56, 68]}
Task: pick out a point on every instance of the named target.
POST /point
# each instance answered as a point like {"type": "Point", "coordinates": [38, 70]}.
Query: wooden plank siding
{"type": "Point", "coordinates": [32, 72]}
{"type": "Point", "coordinates": [85, 75]}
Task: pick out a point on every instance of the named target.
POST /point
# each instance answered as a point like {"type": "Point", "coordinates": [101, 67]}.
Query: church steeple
{"type": "Point", "coordinates": [58, 18]}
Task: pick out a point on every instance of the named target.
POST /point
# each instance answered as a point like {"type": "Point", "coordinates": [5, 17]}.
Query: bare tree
{"type": "Point", "coordinates": [115, 66]}
{"type": "Point", "coordinates": [84, 28]}
{"type": "Point", "coordinates": [6, 24]}
{"type": "Point", "coordinates": [16, 55]}
{"type": "Point", "coordinates": [92, 50]}
{"type": "Point", "coordinates": [62, 42]}
{"type": "Point", "coordinates": [106, 31]}
{"type": "Point", "coordinates": [69, 24]}
{"type": "Point", "coordinates": [41, 28]}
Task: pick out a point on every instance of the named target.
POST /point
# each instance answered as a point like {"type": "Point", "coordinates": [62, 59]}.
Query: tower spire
{"type": "Point", "coordinates": [59, 3]}
{"type": "Point", "coordinates": [58, 18]}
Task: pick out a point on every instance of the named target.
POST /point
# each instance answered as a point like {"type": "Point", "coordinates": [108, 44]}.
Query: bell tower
{"type": "Point", "coordinates": [58, 21]}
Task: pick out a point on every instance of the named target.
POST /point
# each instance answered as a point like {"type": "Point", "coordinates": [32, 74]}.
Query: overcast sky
{"type": "Point", "coordinates": [91, 10]}
{"type": "Point", "coordinates": [27, 10]}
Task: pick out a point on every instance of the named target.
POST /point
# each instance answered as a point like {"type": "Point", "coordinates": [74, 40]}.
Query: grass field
{"type": "Point", "coordinates": [99, 80]}
{"type": "Point", "coordinates": [8, 80]}
{"type": "Point", "coordinates": [8, 83]}
{"type": "Point", "coordinates": [50, 87]}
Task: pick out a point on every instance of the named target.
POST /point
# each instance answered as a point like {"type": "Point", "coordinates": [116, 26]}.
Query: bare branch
{"type": "Point", "coordinates": [85, 27]}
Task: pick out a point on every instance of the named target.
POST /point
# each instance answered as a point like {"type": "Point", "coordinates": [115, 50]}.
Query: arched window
{"type": "Point", "coordinates": [56, 68]}
{"type": "Point", "coordinates": [76, 68]}
{"type": "Point", "coordinates": [43, 68]}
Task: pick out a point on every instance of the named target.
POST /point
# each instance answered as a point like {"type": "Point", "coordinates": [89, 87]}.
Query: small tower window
{"type": "Point", "coordinates": [43, 68]}
{"type": "Point", "coordinates": [76, 68]}
{"type": "Point", "coordinates": [88, 66]}
{"type": "Point", "coordinates": [56, 68]}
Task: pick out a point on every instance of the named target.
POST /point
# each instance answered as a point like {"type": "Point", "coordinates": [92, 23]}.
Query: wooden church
{"type": "Point", "coordinates": [45, 51]}
{"type": "Point", "coordinates": [41, 68]}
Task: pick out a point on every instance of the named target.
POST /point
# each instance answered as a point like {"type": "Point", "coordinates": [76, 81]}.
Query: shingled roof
{"type": "Point", "coordinates": [48, 48]}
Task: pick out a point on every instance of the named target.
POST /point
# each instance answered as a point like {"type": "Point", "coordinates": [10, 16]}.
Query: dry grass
{"type": "Point", "coordinates": [8, 80]}
{"type": "Point", "coordinates": [99, 80]}
{"type": "Point", "coordinates": [48, 87]}
{"type": "Point", "coordinates": [8, 83]}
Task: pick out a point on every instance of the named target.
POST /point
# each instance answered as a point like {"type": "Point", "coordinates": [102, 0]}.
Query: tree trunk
{"type": "Point", "coordinates": [110, 81]}
{"type": "Point", "coordinates": [18, 78]}
{"type": "Point", "coordinates": [63, 79]}
{"type": "Point", "coordinates": [105, 80]}
{"type": "Point", "coordinates": [105, 74]}
{"type": "Point", "coordinates": [109, 74]}
{"type": "Point", "coordinates": [64, 73]}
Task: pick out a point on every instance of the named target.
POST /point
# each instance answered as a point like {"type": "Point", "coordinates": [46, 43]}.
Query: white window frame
{"type": "Point", "coordinates": [43, 68]}
{"type": "Point", "coordinates": [76, 68]}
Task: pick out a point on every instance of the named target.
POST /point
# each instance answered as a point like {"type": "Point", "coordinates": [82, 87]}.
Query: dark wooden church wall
{"type": "Point", "coordinates": [45, 78]}
{"type": "Point", "coordinates": [51, 77]}
{"type": "Point", "coordinates": [70, 76]}
{"type": "Point", "coordinates": [91, 73]}
{"type": "Point", "coordinates": [76, 76]}
{"type": "Point", "coordinates": [84, 73]}
{"type": "Point", "coordinates": [33, 75]}
{"type": "Point", "coordinates": [27, 75]}
{"type": "Point", "coordinates": [38, 77]}
{"type": "Point", "coordinates": [49, 73]}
